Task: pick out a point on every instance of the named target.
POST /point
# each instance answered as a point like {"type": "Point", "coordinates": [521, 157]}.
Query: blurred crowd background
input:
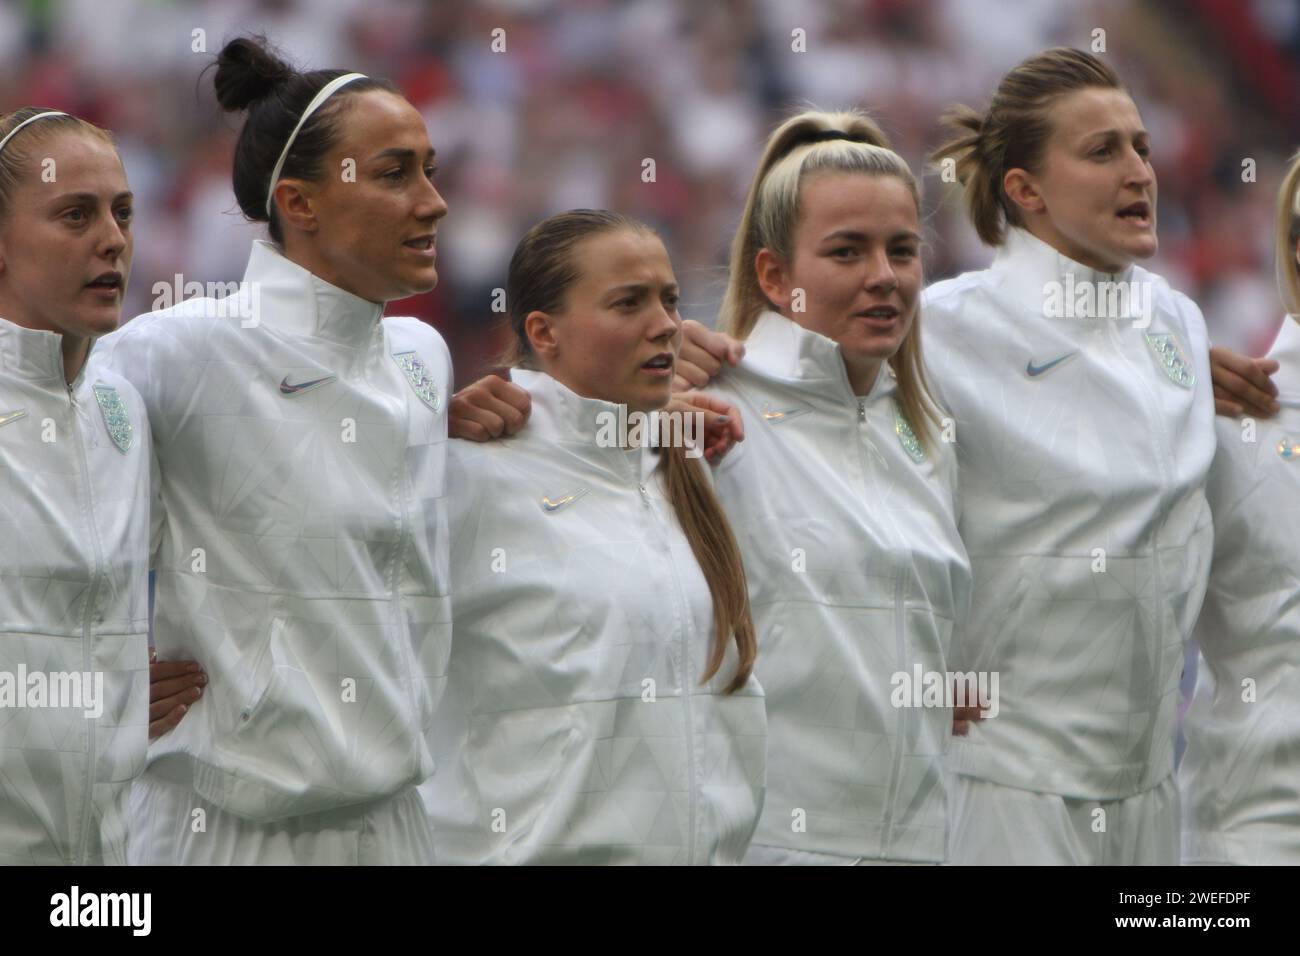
{"type": "Point", "coordinates": [587, 89]}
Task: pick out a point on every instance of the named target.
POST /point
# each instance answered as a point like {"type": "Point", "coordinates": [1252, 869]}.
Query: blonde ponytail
{"type": "Point", "coordinates": [815, 141]}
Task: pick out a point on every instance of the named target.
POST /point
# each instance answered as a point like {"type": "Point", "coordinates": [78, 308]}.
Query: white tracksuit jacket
{"type": "Point", "coordinates": [575, 728]}
{"type": "Point", "coordinates": [303, 558]}
{"type": "Point", "coordinates": [1084, 444]}
{"type": "Point", "coordinates": [1240, 776]}
{"type": "Point", "coordinates": [856, 574]}
{"type": "Point", "coordinates": [74, 527]}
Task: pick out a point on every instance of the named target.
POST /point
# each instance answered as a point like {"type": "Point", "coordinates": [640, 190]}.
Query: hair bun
{"type": "Point", "coordinates": [248, 71]}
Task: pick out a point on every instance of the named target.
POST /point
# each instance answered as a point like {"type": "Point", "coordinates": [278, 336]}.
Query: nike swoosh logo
{"type": "Point", "coordinates": [776, 416]}
{"type": "Point", "coordinates": [555, 504]}
{"type": "Point", "coordinates": [287, 389]}
{"type": "Point", "coordinates": [1033, 370]}
{"type": "Point", "coordinates": [12, 416]}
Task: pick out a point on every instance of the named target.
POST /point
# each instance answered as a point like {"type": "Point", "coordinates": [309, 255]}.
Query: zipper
{"type": "Point", "coordinates": [688, 679]}
{"type": "Point", "coordinates": [865, 443]}
{"type": "Point", "coordinates": [865, 435]}
{"type": "Point", "coordinates": [688, 691]}
{"type": "Point", "coordinates": [867, 450]}
{"type": "Point", "coordinates": [88, 618]}
{"type": "Point", "coordinates": [399, 611]}
{"type": "Point", "coordinates": [403, 488]}
{"type": "Point", "coordinates": [1164, 445]}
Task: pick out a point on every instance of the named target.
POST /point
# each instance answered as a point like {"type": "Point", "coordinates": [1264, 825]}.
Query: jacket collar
{"type": "Point", "coordinates": [289, 298]}
{"type": "Point", "coordinates": [781, 349]}
{"type": "Point", "coordinates": [560, 415]}
{"type": "Point", "coordinates": [1028, 264]}
{"type": "Point", "coordinates": [36, 356]}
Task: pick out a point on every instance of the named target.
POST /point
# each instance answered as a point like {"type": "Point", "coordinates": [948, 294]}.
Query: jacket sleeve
{"type": "Point", "coordinates": [1232, 491]}
{"type": "Point", "coordinates": [147, 354]}
{"type": "Point", "coordinates": [157, 514]}
{"type": "Point", "coordinates": [1198, 342]}
{"type": "Point", "coordinates": [135, 353]}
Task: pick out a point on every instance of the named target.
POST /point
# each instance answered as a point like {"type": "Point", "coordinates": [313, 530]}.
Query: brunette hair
{"type": "Point", "coordinates": [1013, 132]}
{"type": "Point", "coordinates": [250, 77]}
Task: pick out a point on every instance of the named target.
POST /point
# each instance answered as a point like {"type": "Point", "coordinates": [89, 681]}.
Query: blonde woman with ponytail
{"type": "Point", "coordinates": [1240, 776]}
{"type": "Point", "coordinates": [600, 706]}
{"type": "Point", "coordinates": [842, 497]}
{"type": "Point", "coordinates": [1079, 385]}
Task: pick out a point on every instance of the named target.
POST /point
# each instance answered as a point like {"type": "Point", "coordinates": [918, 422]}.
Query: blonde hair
{"type": "Point", "coordinates": [18, 151]}
{"type": "Point", "coordinates": [542, 270]}
{"type": "Point", "coordinates": [1013, 133]}
{"type": "Point", "coordinates": [815, 141]}
{"type": "Point", "coordinates": [1286, 235]}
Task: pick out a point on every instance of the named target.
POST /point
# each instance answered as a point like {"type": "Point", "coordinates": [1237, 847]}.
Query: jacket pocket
{"type": "Point", "coordinates": [262, 676]}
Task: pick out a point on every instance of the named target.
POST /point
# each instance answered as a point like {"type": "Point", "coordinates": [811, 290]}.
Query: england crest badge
{"type": "Point", "coordinates": [417, 373]}
{"type": "Point", "coordinates": [1169, 354]}
{"type": "Point", "coordinates": [906, 437]}
{"type": "Point", "coordinates": [115, 417]}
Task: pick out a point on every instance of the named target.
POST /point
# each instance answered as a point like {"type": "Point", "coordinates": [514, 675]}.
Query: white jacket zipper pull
{"type": "Point", "coordinates": [866, 436]}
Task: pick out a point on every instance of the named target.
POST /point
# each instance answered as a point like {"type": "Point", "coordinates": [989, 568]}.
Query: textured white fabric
{"type": "Point", "coordinates": [303, 560]}
{"type": "Point", "coordinates": [171, 825]}
{"type": "Point", "coordinates": [1004, 826]}
{"type": "Point", "coordinates": [856, 574]}
{"type": "Point", "coordinates": [1083, 464]}
{"type": "Point", "coordinates": [575, 728]}
{"type": "Point", "coordinates": [74, 548]}
{"type": "Point", "coordinates": [1241, 772]}
{"type": "Point", "coordinates": [781, 856]}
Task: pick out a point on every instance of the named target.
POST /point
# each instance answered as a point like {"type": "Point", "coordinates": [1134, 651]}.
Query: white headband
{"type": "Point", "coordinates": [30, 119]}
{"type": "Point", "coordinates": [325, 93]}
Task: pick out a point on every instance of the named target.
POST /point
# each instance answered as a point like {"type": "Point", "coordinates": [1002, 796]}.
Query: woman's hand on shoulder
{"type": "Point", "coordinates": [488, 409]}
